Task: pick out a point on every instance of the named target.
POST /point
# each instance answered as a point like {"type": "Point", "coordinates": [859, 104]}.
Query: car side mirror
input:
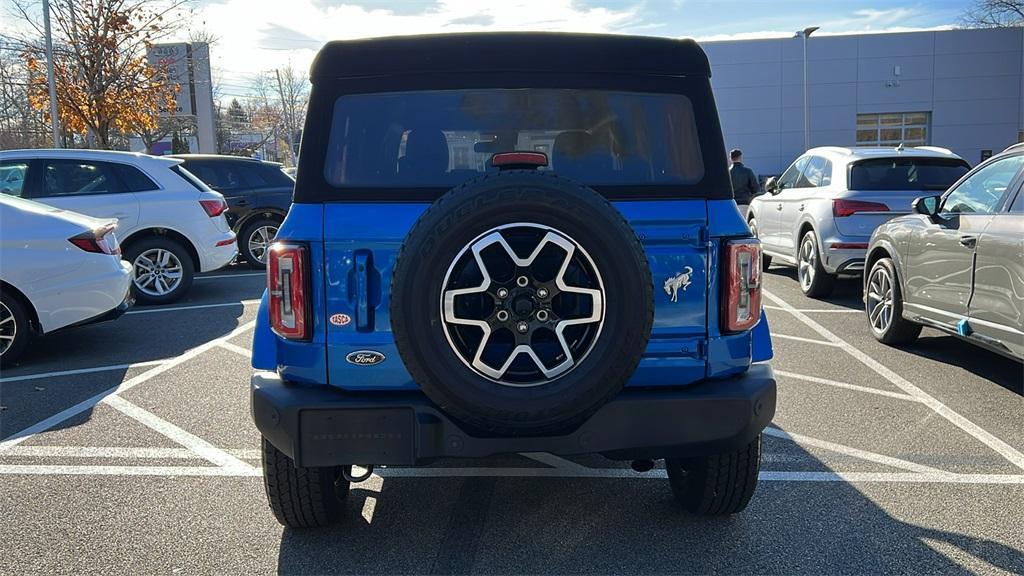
{"type": "Point", "coordinates": [926, 206]}
{"type": "Point", "coordinates": [771, 186]}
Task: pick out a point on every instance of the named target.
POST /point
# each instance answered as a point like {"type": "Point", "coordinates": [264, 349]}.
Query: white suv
{"type": "Point", "coordinates": [819, 215]}
{"type": "Point", "coordinates": [170, 224]}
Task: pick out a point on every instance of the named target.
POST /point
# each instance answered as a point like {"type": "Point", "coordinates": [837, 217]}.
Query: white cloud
{"type": "Point", "coordinates": [259, 35]}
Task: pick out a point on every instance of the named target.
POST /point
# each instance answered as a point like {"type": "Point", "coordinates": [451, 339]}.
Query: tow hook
{"type": "Point", "coordinates": [642, 465]}
{"type": "Point", "coordinates": [346, 472]}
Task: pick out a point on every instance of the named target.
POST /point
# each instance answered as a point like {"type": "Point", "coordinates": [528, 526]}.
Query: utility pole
{"type": "Point", "coordinates": [286, 111]}
{"type": "Point", "coordinates": [805, 34]}
{"type": "Point", "coordinates": [54, 120]}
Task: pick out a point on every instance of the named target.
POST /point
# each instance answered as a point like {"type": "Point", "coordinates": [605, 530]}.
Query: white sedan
{"type": "Point", "coordinates": [57, 269]}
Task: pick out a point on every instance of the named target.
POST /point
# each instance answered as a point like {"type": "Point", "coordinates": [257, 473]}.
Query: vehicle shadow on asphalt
{"type": "Point", "coordinates": [624, 526]}
{"type": "Point", "coordinates": [988, 365]}
{"type": "Point", "coordinates": [130, 339]}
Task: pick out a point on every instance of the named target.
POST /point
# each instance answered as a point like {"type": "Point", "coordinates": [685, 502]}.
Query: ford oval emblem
{"type": "Point", "coordinates": [365, 358]}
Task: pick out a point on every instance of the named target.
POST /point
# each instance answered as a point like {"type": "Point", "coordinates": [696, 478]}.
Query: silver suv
{"type": "Point", "coordinates": [819, 215]}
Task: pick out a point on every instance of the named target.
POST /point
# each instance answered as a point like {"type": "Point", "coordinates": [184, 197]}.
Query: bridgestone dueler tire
{"type": "Point", "coordinates": [301, 497]}
{"type": "Point", "coordinates": [452, 223]}
{"type": "Point", "coordinates": [716, 485]}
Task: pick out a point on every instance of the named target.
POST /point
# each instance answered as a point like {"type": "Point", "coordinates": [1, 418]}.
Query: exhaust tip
{"type": "Point", "coordinates": [642, 465]}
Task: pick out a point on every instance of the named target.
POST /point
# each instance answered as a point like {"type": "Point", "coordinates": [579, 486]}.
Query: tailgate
{"type": "Point", "coordinates": [361, 245]}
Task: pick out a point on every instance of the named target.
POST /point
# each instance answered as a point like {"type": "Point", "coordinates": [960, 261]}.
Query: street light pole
{"type": "Point", "coordinates": [805, 34]}
{"type": "Point", "coordinates": [54, 120]}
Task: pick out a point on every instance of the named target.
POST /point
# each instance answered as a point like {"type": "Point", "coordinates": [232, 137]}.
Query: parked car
{"type": "Point", "coordinates": [60, 269]}
{"type": "Point", "coordinates": [258, 194]}
{"type": "Point", "coordinates": [171, 224]}
{"type": "Point", "coordinates": [492, 250]}
{"type": "Point", "coordinates": [956, 263]}
{"type": "Point", "coordinates": [819, 215]}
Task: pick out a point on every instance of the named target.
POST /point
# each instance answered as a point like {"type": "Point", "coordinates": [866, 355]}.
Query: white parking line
{"type": "Point", "coordinates": [983, 436]}
{"type": "Point", "coordinates": [46, 424]}
{"type": "Point", "coordinates": [801, 339]}
{"type": "Point", "coordinates": [236, 349]}
{"type": "Point", "coordinates": [837, 384]}
{"type": "Point", "coordinates": [818, 310]}
{"type": "Point", "coordinates": [76, 371]}
{"type": "Point", "coordinates": [242, 275]}
{"type": "Point", "coordinates": [851, 451]}
{"type": "Point", "coordinates": [194, 307]}
{"type": "Point", "coordinates": [194, 443]}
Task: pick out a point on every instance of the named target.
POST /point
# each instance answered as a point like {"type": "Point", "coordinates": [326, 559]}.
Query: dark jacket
{"type": "Point", "coordinates": [744, 183]}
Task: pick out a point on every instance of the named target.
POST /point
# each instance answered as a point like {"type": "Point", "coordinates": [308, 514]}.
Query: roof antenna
{"type": "Point", "coordinates": [899, 148]}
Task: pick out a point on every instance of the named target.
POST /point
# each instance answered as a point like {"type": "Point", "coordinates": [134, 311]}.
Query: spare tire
{"type": "Point", "coordinates": [521, 302]}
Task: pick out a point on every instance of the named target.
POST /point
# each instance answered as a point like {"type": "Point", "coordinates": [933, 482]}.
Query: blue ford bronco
{"type": "Point", "coordinates": [516, 242]}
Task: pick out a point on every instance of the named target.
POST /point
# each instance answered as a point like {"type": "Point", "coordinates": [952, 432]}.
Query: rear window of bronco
{"type": "Point", "coordinates": [442, 138]}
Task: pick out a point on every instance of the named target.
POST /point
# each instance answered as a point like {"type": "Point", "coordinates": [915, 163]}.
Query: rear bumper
{"type": "Point", "coordinates": [319, 426]}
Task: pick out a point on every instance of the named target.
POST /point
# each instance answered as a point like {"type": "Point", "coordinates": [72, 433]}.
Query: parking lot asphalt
{"type": "Point", "coordinates": [127, 448]}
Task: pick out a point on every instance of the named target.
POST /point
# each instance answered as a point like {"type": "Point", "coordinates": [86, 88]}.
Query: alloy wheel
{"type": "Point", "coordinates": [880, 300]}
{"type": "Point", "coordinates": [260, 240]}
{"type": "Point", "coordinates": [157, 272]}
{"type": "Point", "coordinates": [522, 321]}
{"type": "Point", "coordinates": [807, 263]}
{"type": "Point", "coordinates": [8, 328]}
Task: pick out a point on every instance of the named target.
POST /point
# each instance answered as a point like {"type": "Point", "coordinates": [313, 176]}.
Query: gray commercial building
{"type": "Point", "coordinates": [959, 89]}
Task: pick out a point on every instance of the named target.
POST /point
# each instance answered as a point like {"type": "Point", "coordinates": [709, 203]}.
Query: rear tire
{"type": "Point", "coordinates": [814, 280]}
{"type": "Point", "coordinates": [884, 306]}
{"type": "Point", "coordinates": [255, 239]}
{"type": "Point", "coordinates": [301, 497]}
{"type": "Point", "coordinates": [146, 253]}
{"type": "Point", "coordinates": [716, 485]}
{"type": "Point", "coordinates": [15, 330]}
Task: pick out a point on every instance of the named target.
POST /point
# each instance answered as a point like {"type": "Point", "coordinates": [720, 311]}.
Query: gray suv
{"type": "Point", "coordinates": [819, 215]}
{"type": "Point", "coordinates": [956, 263]}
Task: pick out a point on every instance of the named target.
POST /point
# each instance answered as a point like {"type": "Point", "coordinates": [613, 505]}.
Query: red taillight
{"type": "Point", "coordinates": [214, 207]}
{"type": "Point", "coordinates": [844, 208]}
{"type": "Point", "coordinates": [741, 305]}
{"type": "Point", "coordinates": [100, 241]}
{"type": "Point", "coordinates": [289, 295]}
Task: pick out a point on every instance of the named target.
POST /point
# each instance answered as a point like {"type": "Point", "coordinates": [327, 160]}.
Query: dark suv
{"type": "Point", "coordinates": [511, 243]}
{"type": "Point", "coordinates": [258, 194]}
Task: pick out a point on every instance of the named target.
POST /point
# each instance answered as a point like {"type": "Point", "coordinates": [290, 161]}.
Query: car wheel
{"type": "Point", "coordinates": [302, 497]}
{"type": "Point", "coordinates": [883, 303]}
{"type": "Point", "coordinates": [14, 328]}
{"type": "Point", "coordinates": [162, 270]}
{"type": "Point", "coordinates": [716, 485]}
{"type": "Point", "coordinates": [815, 281]}
{"type": "Point", "coordinates": [766, 260]}
{"type": "Point", "coordinates": [521, 302]}
{"type": "Point", "coordinates": [255, 241]}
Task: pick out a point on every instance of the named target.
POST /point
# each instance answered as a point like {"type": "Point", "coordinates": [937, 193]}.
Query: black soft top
{"type": "Point", "coordinates": [508, 52]}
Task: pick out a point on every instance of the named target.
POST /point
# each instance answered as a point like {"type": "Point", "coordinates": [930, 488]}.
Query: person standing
{"type": "Point", "coordinates": [744, 182]}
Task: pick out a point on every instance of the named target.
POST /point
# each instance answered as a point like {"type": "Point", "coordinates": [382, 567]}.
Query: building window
{"type": "Point", "coordinates": [908, 128]}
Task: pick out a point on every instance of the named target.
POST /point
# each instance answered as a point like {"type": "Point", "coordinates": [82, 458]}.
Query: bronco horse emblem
{"type": "Point", "coordinates": [673, 284]}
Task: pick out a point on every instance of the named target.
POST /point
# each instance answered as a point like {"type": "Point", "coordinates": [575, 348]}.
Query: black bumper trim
{"type": "Point", "coordinates": [322, 426]}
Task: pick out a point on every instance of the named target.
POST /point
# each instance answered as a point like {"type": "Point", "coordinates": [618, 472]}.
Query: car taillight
{"type": "Point", "coordinates": [214, 207]}
{"type": "Point", "coordinates": [741, 305]}
{"type": "Point", "coordinates": [287, 276]}
{"type": "Point", "coordinates": [844, 208]}
{"type": "Point", "coordinates": [100, 241]}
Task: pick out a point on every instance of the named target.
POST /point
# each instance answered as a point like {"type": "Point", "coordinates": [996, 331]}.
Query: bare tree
{"type": "Point", "coordinates": [293, 96]}
{"type": "Point", "coordinates": [21, 125]}
{"type": "Point", "coordinates": [994, 13]}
